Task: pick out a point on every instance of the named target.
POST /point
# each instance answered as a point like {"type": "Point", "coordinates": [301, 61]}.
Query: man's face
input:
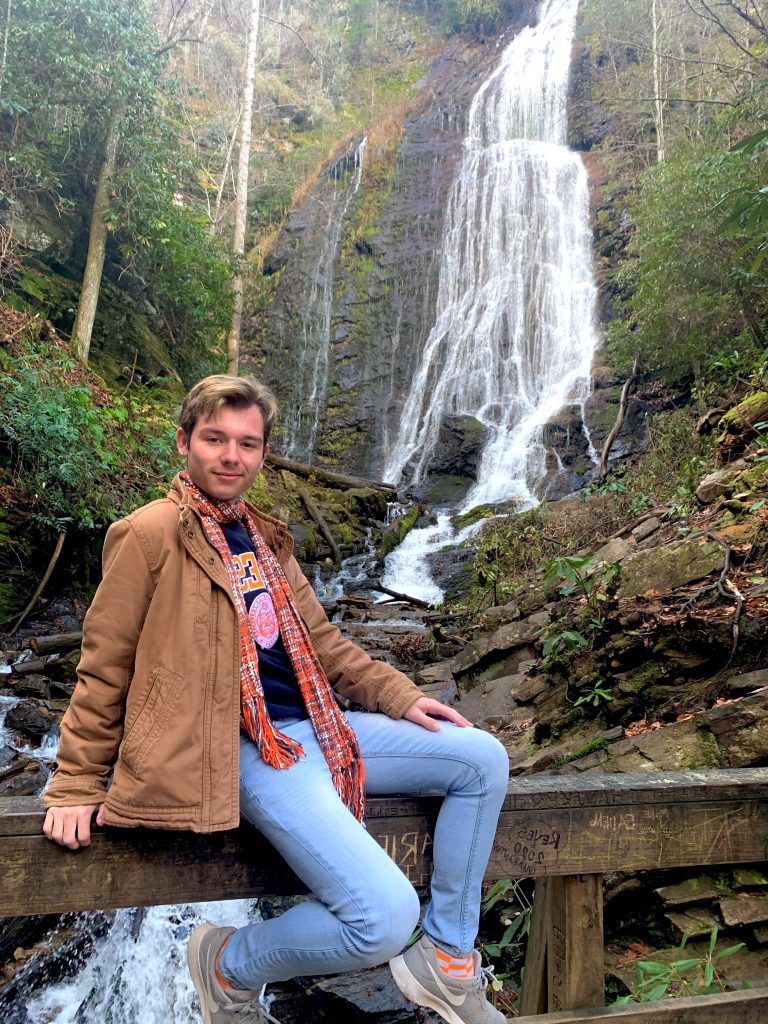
{"type": "Point", "coordinates": [225, 452]}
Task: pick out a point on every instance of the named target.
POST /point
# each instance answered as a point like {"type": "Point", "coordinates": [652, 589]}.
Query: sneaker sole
{"type": "Point", "coordinates": [196, 970]}
{"type": "Point", "coordinates": [412, 989]}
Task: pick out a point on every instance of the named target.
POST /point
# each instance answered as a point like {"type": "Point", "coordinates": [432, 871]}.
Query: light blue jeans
{"type": "Point", "coordinates": [366, 908]}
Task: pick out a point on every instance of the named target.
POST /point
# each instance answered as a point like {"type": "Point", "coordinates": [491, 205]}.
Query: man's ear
{"type": "Point", "coordinates": [182, 442]}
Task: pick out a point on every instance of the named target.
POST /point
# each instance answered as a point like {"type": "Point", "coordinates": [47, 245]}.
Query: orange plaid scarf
{"type": "Point", "coordinates": [334, 734]}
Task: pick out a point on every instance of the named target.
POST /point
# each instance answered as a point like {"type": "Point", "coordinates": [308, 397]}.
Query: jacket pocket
{"type": "Point", "coordinates": [146, 730]}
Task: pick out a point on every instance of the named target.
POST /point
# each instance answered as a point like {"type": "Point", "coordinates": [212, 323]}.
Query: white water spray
{"type": "Point", "coordinates": [303, 415]}
{"type": "Point", "coordinates": [514, 332]}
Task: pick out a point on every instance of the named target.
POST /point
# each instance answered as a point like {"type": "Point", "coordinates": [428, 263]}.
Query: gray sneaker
{"type": "Point", "coordinates": [219, 1005]}
{"type": "Point", "coordinates": [419, 978]}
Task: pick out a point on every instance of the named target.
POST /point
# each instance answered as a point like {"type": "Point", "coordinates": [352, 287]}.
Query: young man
{"type": "Point", "coordinates": [205, 691]}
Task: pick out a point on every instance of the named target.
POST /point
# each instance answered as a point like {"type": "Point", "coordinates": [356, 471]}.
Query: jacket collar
{"type": "Point", "coordinates": [274, 532]}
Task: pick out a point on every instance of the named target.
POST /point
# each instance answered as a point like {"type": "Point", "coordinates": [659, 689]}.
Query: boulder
{"type": "Point", "coordinates": [616, 550]}
{"type": "Point", "coordinates": [505, 638]}
{"type": "Point", "coordinates": [740, 730]}
{"type": "Point", "coordinates": [459, 447]}
{"type": "Point", "coordinates": [669, 566]}
{"type": "Point", "coordinates": [28, 720]}
{"type": "Point", "coordinates": [494, 699]}
{"type": "Point", "coordinates": [718, 484]}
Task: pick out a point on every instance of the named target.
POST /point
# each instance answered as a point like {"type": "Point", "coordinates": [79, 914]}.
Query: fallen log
{"type": "Point", "coordinates": [57, 642]}
{"type": "Point", "coordinates": [415, 601]}
{"type": "Point", "coordinates": [314, 512]}
{"type": "Point", "coordinates": [328, 476]}
{"type": "Point", "coordinates": [620, 417]}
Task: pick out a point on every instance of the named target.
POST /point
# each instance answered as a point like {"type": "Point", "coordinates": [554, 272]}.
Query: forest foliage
{"type": "Point", "coordinates": [682, 89]}
{"type": "Point", "coordinates": [675, 112]}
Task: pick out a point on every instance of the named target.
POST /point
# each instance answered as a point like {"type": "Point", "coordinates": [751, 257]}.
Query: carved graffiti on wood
{"type": "Point", "coordinates": [411, 851]}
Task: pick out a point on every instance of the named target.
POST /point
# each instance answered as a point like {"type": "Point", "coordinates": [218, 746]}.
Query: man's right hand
{"type": "Point", "coordinates": [71, 826]}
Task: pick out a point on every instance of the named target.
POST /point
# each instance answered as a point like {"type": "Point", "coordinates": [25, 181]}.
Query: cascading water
{"type": "Point", "coordinates": [514, 332]}
{"type": "Point", "coordinates": [302, 418]}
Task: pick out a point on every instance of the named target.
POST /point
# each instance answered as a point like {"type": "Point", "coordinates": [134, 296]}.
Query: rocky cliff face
{"type": "Point", "coordinates": [385, 271]}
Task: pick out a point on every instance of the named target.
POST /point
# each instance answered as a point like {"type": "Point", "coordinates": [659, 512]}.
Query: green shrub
{"type": "Point", "coordinates": [76, 455]}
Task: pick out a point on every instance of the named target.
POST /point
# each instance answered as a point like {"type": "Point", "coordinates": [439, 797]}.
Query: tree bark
{"type": "Point", "coordinates": [620, 417]}
{"type": "Point", "coordinates": [315, 513]}
{"type": "Point", "coordinates": [241, 200]}
{"type": "Point", "coordinates": [97, 244]}
{"type": "Point", "coordinates": [328, 475]}
{"type": "Point", "coordinates": [658, 107]}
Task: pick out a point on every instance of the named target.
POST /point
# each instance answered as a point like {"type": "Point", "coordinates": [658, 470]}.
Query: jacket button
{"type": "Point", "coordinates": [212, 561]}
{"type": "Point", "coordinates": [191, 533]}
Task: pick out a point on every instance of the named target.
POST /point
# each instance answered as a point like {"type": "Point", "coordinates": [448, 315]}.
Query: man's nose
{"type": "Point", "coordinates": [230, 452]}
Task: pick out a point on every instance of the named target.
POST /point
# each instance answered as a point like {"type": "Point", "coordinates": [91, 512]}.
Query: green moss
{"type": "Point", "coordinates": [599, 743]}
{"type": "Point", "coordinates": [473, 516]}
{"type": "Point", "coordinates": [396, 532]}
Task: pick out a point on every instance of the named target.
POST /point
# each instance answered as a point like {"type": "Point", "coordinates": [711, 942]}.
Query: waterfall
{"type": "Point", "coordinates": [514, 332]}
{"type": "Point", "coordinates": [302, 417]}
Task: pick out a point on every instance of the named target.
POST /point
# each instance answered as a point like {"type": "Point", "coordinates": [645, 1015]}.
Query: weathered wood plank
{"type": "Point", "coordinates": [574, 927]}
{"type": "Point", "coordinates": [533, 994]}
{"type": "Point", "coordinates": [749, 1007]}
{"type": "Point", "coordinates": [550, 826]}
{"type": "Point", "coordinates": [141, 867]}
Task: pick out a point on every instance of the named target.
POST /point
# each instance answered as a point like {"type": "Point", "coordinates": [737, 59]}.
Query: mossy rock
{"type": "Point", "coordinates": [396, 532]}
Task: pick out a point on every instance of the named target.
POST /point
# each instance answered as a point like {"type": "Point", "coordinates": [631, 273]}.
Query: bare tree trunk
{"type": "Point", "coordinates": [658, 108]}
{"type": "Point", "coordinates": [5, 44]}
{"type": "Point", "coordinates": [97, 244]}
{"type": "Point", "coordinates": [241, 201]}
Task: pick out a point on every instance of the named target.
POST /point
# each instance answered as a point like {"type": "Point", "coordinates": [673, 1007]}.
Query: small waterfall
{"type": "Point", "coordinates": [514, 332]}
{"type": "Point", "coordinates": [301, 419]}
{"type": "Point", "coordinates": [137, 972]}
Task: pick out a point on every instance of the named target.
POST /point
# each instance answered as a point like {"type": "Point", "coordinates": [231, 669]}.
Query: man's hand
{"type": "Point", "coordinates": [426, 710]}
{"type": "Point", "coordinates": [71, 826]}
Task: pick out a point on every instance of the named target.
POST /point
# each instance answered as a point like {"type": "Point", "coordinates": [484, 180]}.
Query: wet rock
{"type": "Point", "coordinates": [60, 691]}
{"type": "Point", "coordinates": [33, 686]}
{"type": "Point", "coordinates": [7, 754]}
{"type": "Point", "coordinates": [29, 720]}
{"type": "Point", "coordinates": [459, 447]}
{"type": "Point", "coordinates": [669, 566]}
{"type": "Point", "coordinates": [27, 781]}
{"type": "Point", "coordinates": [568, 448]}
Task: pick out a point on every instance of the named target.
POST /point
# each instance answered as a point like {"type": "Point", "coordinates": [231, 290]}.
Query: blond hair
{"type": "Point", "coordinates": [210, 395]}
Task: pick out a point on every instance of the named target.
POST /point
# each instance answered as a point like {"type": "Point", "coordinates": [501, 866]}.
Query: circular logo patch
{"type": "Point", "coordinates": [264, 625]}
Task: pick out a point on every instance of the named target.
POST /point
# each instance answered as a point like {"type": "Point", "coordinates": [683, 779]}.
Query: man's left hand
{"type": "Point", "coordinates": [426, 711]}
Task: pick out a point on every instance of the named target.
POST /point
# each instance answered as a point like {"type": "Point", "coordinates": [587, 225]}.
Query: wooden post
{"type": "Point", "coordinates": [533, 996]}
{"type": "Point", "coordinates": [574, 924]}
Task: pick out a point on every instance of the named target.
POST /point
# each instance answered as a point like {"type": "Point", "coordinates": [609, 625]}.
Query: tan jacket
{"type": "Point", "coordinates": [158, 692]}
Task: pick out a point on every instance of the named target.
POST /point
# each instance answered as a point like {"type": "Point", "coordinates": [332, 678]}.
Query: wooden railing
{"type": "Point", "coordinates": [564, 831]}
